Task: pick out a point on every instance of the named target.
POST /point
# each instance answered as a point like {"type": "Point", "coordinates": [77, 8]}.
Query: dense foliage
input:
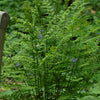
{"type": "Point", "coordinates": [52, 51]}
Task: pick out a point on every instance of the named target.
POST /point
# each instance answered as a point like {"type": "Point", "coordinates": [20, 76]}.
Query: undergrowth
{"type": "Point", "coordinates": [53, 53]}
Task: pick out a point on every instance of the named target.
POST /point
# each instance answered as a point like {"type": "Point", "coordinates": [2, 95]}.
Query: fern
{"type": "Point", "coordinates": [53, 52]}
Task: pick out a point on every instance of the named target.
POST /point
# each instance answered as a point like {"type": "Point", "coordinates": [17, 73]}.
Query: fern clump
{"type": "Point", "coordinates": [53, 52]}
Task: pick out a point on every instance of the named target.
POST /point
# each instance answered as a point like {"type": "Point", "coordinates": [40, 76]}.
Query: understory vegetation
{"type": "Point", "coordinates": [52, 50]}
